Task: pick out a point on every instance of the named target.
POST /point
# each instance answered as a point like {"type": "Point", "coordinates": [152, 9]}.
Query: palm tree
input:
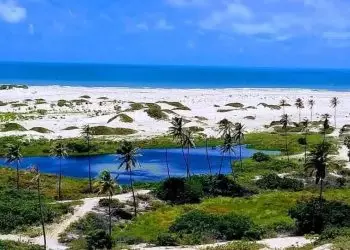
{"type": "Point", "coordinates": [311, 103]}
{"type": "Point", "coordinates": [238, 136]}
{"type": "Point", "coordinates": [347, 144]}
{"type": "Point", "coordinates": [177, 131]}
{"type": "Point", "coordinates": [207, 154]}
{"type": "Point", "coordinates": [300, 105]}
{"type": "Point", "coordinates": [285, 121]}
{"type": "Point", "coordinates": [318, 161]}
{"type": "Point", "coordinates": [334, 103]}
{"type": "Point", "coordinates": [87, 134]}
{"type": "Point", "coordinates": [283, 104]}
{"type": "Point", "coordinates": [128, 154]}
{"type": "Point", "coordinates": [107, 185]}
{"type": "Point", "coordinates": [305, 124]}
{"type": "Point", "coordinates": [188, 143]}
{"type": "Point", "coordinates": [325, 125]}
{"type": "Point", "coordinates": [14, 155]}
{"type": "Point", "coordinates": [228, 148]}
{"type": "Point", "coordinates": [226, 127]}
{"type": "Point", "coordinates": [36, 172]}
{"type": "Point", "coordinates": [59, 151]}
{"type": "Point", "coordinates": [166, 162]}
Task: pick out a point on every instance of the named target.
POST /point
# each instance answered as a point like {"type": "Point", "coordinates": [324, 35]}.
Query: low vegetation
{"type": "Point", "coordinates": [41, 130]}
{"type": "Point", "coordinates": [235, 105]}
{"type": "Point", "coordinates": [11, 127]}
{"type": "Point", "coordinates": [155, 112]}
{"type": "Point", "coordinates": [177, 105]}
{"type": "Point", "coordinates": [270, 106]}
{"type": "Point", "coordinates": [104, 130]}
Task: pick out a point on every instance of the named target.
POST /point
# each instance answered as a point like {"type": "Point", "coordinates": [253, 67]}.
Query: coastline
{"type": "Point", "coordinates": [204, 108]}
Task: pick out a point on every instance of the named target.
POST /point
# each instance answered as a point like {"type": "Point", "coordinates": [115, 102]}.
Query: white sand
{"type": "Point", "coordinates": [200, 101]}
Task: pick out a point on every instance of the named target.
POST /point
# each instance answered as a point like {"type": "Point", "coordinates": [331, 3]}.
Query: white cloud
{"type": "Point", "coordinates": [191, 44]}
{"type": "Point", "coordinates": [337, 35]}
{"type": "Point", "coordinates": [187, 3]}
{"type": "Point", "coordinates": [142, 26]}
{"type": "Point", "coordinates": [253, 28]}
{"type": "Point", "coordinates": [11, 12]}
{"type": "Point", "coordinates": [162, 24]}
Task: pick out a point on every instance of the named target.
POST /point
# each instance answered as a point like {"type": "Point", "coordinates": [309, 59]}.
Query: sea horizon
{"type": "Point", "coordinates": [172, 76]}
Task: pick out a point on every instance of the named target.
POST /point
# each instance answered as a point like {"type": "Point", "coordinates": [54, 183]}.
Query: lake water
{"type": "Point", "coordinates": [152, 161]}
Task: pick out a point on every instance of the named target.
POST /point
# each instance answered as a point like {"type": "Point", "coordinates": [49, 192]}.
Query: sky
{"type": "Point", "coordinates": [263, 33]}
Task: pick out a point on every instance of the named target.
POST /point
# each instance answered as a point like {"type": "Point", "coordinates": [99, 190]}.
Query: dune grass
{"type": "Point", "coordinates": [71, 128]}
{"type": "Point", "coordinates": [9, 245]}
{"type": "Point", "coordinates": [41, 130]}
{"type": "Point", "coordinates": [12, 127]}
{"type": "Point", "coordinates": [104, 130]}
{"type": "Point", "coordinates": [235, 105]}
{"type": "Point", "coordinates": [177, 105]}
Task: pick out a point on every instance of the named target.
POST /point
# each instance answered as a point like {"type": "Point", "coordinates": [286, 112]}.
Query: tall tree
{"type": "Point", "coordinates": [347, 144]}
{"type": "Point", "coordinates": [305, 124]}
{"type": "Point", "coordinates": [228, 148]}
{"type": "Point", "coordinates": [60, 151]}
{"type": "Point", "coordinates": [128, 154]}
{"type": "Point", "coordinates": [317, 162]}
{"type": "Point", "coordinates": [238, 136]}
{"type": "Point", "coordinates": [14, 155]}
{"type": "Point", "coordinates": [207, 154]}
{"type": "Point", "coordinates": [107, 185]}
{"type": "Point", "coordinates": [177, 131]}
{"type": "Point", "coordinates": [167, 162]}
{"type": "Point", "coordinates": [311, 103]}
{"type": "Point", "coordinates": [283, 104]}
{"type": "Point", "coordinates": [285, 121]}
{"type": "Point", "coordinates": [36, 172]}
{"type": "Point", "coordinates": [300, 105]}
{"type": "Point", "coordinates": [188, 143]}
{"type": "Point", "coordinates": [334, 104]}
{"type": "Point", "coordinates": [226, 127]}
{"type": "Point", "coordinates": [325, 125]}
{"type": "Point", "coordinates": [87, 134]}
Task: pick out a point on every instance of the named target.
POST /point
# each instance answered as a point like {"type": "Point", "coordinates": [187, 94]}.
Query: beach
{"type": "Point", "coordinates": [37, 107]}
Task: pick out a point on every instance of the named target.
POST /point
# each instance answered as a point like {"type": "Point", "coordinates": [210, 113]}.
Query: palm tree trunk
{"type": "Point", "coordinates": [184, 156]}
{"type": "Point", "coordinates": [240, 152]}
{"type": "Point", "coordinates": [305, 147]}
{"type": "Point", "coordinates": [335, 117]}
{"type": "Point", "coordinates": [222, 160]}
{"type": "Point", "coordinates": [133, 192]}
{"type": "Point", "coordinates": [59, 180]}
{"type": "Point", "coordinates": [90, 183]}
{"type": "Point", "coordinates": [166, 161]}
{"type": "Point", "coordinates": [321, 189]}
{"type": "Point", "coordinates": [285, 134]}
{"type": "Point", "coordinates": [311, 114]}
{"type": "Point", "coordinates": [299, 115]}
{"type": "Point", "coordinates": [109, 214]}
{"type": "Point", "coordinates": [188, 160]}
{"type": "Point", "coordinates": [284, 110]}
{"type": "Point", "coordinates": [17, 173]}
{"type": "Point", "coordinates": [41, 214]}
{"type": "Point", "coordinates": [230, 161]}
{"type": "Point", "coordinates": [206, 152]}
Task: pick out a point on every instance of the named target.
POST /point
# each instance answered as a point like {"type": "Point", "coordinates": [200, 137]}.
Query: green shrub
{"type": "Point", "coordinates": [85, 97]}
{"type": "Point", "coordinates": [89, 223]}
{"type": "Point", "coordinates": [156, 113]}
{"type": "Point", "coordinates": [125, 118]}
{"type": "Point", "coordinates": [12, 127]}
{"type": "Point", "coordinates": [41, 130]}
{"type": "Point", "coordinates": [196, 129]}
{"type": "Point", "coordinates": [239, 245]}
{"type": "Point", "coordinates": [136, 106]}
{"type": "Point", "coordinates": [2, 103]}
{"type": "Point", "coordinates": [103, 98]}
{"type": "Point", "coordinates": [42, 111]}
{"type": "Point", "coordinates": [201, 118]}
{"type": "Point", "coordinates": [260, 157]}
{"type": "Point", "coordinates": [12, 86]}
{"type": "Point", "coordinates": [270, 106]}
{"type": "Point", "coordinates": [177, 105]}
{"type": "Point", "coordinates": [273, 181]}
{"type": "Point", "coordinates": [249, 117]}
{"type": "Point", "coordinates": [62, 103]}
{"type": "Point", "coordinates": [71, 128]}
{"type": "Point", "coordinates": [315, 215]}
{"type": "Point", "coordinates": [122, 214]}
{"type": "Point", "coordinates": [103, 130]}
{"type": "Point", "coordinates": [166, 239]}
{"type": "Point", "coordinates": [224, 110]}
{"type": "Point", "coordinates": [115, 203]}
{"type": "Point", "coordinates": [331, 233]}
{"type": "Point", "coordinates": [15, 245]}
{"type": "Point", "coordinates": [18, 105]}
{"type": "Point", "coordinates": [220, 227]}
{"type": "Point", "coordinates": [98, 239]}
{"type": "Point", "coordinates": [235, 105]}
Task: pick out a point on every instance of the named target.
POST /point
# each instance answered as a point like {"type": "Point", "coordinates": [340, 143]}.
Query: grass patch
{"type": "Point", "coordinates": [177, 105]}
{"type": "Point", "coordinates": [125, 118]}
{"type": "Point", "coordinates": [13, 86]}
{"type": "Point", "coordinates": [235, 105]}
{"type": "Point", "coordinates": [63, 103]}
{"type": "Point", "coordinates": [239, 245]}
{"type": "Point", "coordinates": [12, 127]}
{"type": "Point", "coordinates": [249, 117]}
{"type": "Point", "coordinates": [41, 130]}
{"type": "Point", "coordinates": [103, 130]}
{"type": "Point", "coordinates": [201, 118]}
{"type": "Point", "coordinates": [18, 105]}
{"type": "Point", "coordinates": [103, 98]}
{"type": "Point", "coordinates": [196, 129]}
{"type": "Point", "coordinates": [85, 97]}
{"type": "Point", "coordinates": [154, 111]}
{"type": "Point", "coordinates": [80, 102]}
{"type": "Point", "coordinates": [2, 103]}
{"type": "Point", "coordinates": [270, 106]}
{"type": "Point", "coordinates": [224, 110]}
{"type": "Point", "coordinates": [71, 128]}
{"type": "Point", "coordinates": [40, 101]}
{"type": "Point", "coordinates": [135, 106]}
{"type": "Point", "coordinates": [9, 245]}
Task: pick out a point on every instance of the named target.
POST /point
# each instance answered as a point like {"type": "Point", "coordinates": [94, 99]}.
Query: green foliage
{"type": "Point", "coordinates": [260, 157]}
{"type": "Point", "coordinates": [238, 245]}
{"type": "Point", "coordinates": [12, 86]}
{"type": "Point", "coordinates": [290, 129]}
{"type": "Point", "coordinates": [315, 215]}
{"type": "Point", "coordinates": [8, 116]}
{"type": "Point", "coordinates": [2, 103]}
{"type": "Point", "coordinates": [196, 129]}
{"type": "Point", "coordinates": [41, 130]}
{"type": "Point", "coordinates": [177, 105]}
{"type": "Point", "coordinates": [104, 130]}
{"type": "Point", "coordinates": [249, 117]}
{"type": "Point", "coordinates": [98, 239]}
{"type": "Point", "coordinates": [18, 105]}
{"type": "Point", "coordinates": [125, 118]}
{"type": "Point", "coordinates": [235, 105]}
{"type": "Point", "coordinates": [270, 106]}
{"type": "Point", "coordinates": [12, 127]}
{"type": "Point", "coordinates": [135, 106]}
{"type": "Point", "coordinates": [221, 227]}
{"type": "Point", "coordinates": [156, 113]}
{"type": "Point", "coordinates": [273, 181]}
{"type": "Point", "coordinates": [14, 245]}
{"type": "Point", "coordinates": [71, 128]}
{"type": "Point", "coordinates": [42, 111]}
{"type": "Point", "coordinates": [201, 118]}
{"type": "Point", "coordinates": [85, 97]}
{"type": "Point", "coordinates": [114, 203]}
{"type": "Point", "coordinates": [224, 110]}
{"type": "Point", "coordinates": [63, 103]}
{"type": "Point", "coordinates": [166, 239]}
{"type": "Point", "coordinates": [40, 101]}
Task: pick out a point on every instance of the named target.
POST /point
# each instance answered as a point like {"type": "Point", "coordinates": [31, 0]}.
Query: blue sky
{"type": "Point", "coordinates": [267, 33]}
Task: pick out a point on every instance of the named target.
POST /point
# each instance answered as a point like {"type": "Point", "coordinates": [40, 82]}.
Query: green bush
{"type": "Point", "coordinates": [156, 113]}
{"type": "Point", "coordinates": [98, 239]}
{"type": "Point", "coordinates": [239, 245]}
{"type": "Point", "coordinates": [136, 106]}
{"type": "Point", "coordinates": [62, 103]}
{"type": "Point", "coordinates": [270, 106]}
{"type": "Point", "coordinates": [12, 127]}
{"type": "Point", "coordinates": [195, 129]}
{"type": "Point", "coordinates": [273, 181]}
{"type": "Point", "coordinates": [125, 118]}
{"type": "Point", "coordinates": [71, 128]}
{"type": "Point", "coordinates": [235, 105]}
{"type": "Point", "coordinates": [260, 157]}
{"type": "Point", "coordinates": [219, 227]}
{"type": "Point", "coordinates": [177, 105]}
{"type": "Point", "coordinates": [331, 233]}
{"type": "Point", "coordinates": [41, 130]}
{"type": "Point", "coordinates": [103, 130]}
{"type": "Point", "coordinates": [315, 215]}
{"type": "Point", "coordinates": [14, 245]}
{"type": "Point", "coordinates": [42, 111]}
{"type": "Point", "coordinates": [115, 203]}
{"type": "Point", "coordinates": [85, 97]}
{"type": "Point", "coordinates": [166, 239]}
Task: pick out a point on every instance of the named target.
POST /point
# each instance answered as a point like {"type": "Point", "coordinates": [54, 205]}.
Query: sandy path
{"type": "Point", "coordinates": [54, 230]}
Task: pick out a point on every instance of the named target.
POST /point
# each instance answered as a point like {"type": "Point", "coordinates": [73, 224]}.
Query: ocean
{"type": "Point", "coordinates": [150, 76]}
